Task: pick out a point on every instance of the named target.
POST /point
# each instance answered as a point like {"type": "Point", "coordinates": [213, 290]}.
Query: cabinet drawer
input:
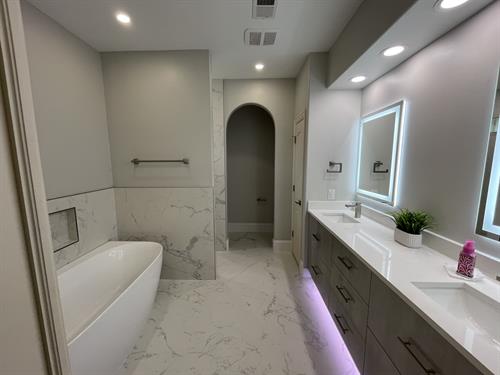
{"type": "Point", "coordinates": [352, 268]}
{"type": "Point", "coordinates": [353, 340]}
{"type": "Point", "coordinates": [320, 258]}
{"type": "Point", "coordinates": [344, 295]}
{"type": "Point", "coordinates": [413, 345]}
{"type": "Point", "coordinates": [376, 361]}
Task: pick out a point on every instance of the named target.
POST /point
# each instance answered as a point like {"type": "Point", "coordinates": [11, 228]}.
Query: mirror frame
{"type": "Point", "coordinates": [398, 109]}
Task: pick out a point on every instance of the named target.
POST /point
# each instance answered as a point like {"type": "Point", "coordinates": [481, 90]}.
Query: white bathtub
{"type": "Point", "coordinates": [106, 297]}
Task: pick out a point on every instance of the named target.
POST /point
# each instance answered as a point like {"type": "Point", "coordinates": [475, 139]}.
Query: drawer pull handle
{"type": "Point", "coordinates": [409, 345]}
{"type": "Point", "coordinates": [315, 270]}
{"type": "Point", "coordinates": [344, 293]}
{"type": "Point", "coordinates": [346, 262]}
{"type": "Point", "coordinates": [343, 327]}
{"type": "Point", "coordinates": [316, 237]}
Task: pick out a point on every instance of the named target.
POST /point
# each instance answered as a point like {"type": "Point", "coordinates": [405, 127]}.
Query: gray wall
{"type": "Point", "coordinates": [250, 165]}
{"type": "Point", "coordinates": [278, 97]}
{"type": "Point", "coordinates": [332, 135]}
{"type": "Point", "coordinates": [70, 111]}
{"type": "Point", "coordinates": [370, 21]}
{"type": "Point", "coordinates": [449, 88]}
{"type": "Point", "coordinates": [158, 107]}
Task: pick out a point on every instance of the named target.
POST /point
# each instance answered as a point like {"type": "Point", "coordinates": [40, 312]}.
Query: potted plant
{"type": "Point", "coordinates": [409, 226]}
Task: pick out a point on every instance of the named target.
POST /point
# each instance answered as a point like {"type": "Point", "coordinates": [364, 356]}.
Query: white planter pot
{"type": "Point", "coordinates": [409, 240]}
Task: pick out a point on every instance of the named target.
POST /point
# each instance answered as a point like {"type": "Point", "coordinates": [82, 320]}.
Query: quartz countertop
{"type": "Point", "coordinates": [401, 267]}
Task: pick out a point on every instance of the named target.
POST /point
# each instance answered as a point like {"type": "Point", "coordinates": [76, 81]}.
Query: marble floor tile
{"type": "Point", "coordinates": [261, 316]}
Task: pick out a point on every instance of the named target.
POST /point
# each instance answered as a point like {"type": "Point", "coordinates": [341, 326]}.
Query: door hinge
{"type": "Point", "coordinates": [293, 187]}
{"type": "Point", "coordinates": [294, 139]}
{"type": "Point", "coordinates": [292, 233]}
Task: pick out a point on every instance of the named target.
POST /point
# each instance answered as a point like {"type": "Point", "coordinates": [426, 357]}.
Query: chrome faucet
{"type": "Point", "coordinates": [357, 208]}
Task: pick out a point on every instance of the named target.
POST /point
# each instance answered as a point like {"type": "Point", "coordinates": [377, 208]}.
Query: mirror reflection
{"type": "Point", "coordinates": [378, 153]}
{"type": "Point", "coordinates": [488, 223]}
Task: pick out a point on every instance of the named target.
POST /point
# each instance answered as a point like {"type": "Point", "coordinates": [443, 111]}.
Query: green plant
{"type": "Point", "coordinates": [412, 222]}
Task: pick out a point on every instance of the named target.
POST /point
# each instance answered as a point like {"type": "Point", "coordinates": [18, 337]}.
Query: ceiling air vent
{"type": "Point", "coordinates": [264, 8]}
{"type": "Point", "coordinates": [255, 37]}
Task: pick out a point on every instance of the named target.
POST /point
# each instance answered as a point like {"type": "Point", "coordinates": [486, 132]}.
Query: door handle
{"type": "Point", "coordinates": [317, 273]}
{"type": "Point", "coordinates": [346, 262]}
{"type": "Point", "coordinates": [298, 202]}
{"type": "Point", "coordinates": [316, 237]}
{"type": "Point", "coordinates": [345, 295]}
{"type": "Point", "coordinates": [260, 199]}
{"type": "Point", "coordinates": [344, 329]}
{"type": "Point", "coordinates": [409, 344]}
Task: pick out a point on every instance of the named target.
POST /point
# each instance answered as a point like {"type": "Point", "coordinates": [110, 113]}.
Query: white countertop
{"type": "Point", "coordinates": [400, 267]}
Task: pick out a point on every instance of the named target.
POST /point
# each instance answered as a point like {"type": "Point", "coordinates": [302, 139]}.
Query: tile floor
{"type": "Point", "coordinates": [259, 317]}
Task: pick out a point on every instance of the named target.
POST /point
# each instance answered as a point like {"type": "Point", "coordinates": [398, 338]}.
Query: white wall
{"type": "Point", "coordinates": [332, 135]}
{"type": "Point", "coordinates": [278, 97]}
{"type": "Point", "coordinates": [158, 107]}
{"type": "Point", "coordinates": [250, 165]}
{"type": "Point", "coordinates": [449, 88]}
{"type": "Point", "coordinates": [70, 111]}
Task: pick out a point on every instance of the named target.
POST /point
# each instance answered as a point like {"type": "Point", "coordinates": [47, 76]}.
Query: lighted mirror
{"type": "Point", "coordinates": [488, 222]}
{"type": "Point", "coordinates": [379, 149]}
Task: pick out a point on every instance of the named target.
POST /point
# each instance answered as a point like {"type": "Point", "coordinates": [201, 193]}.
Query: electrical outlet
{"type": "Point", "coordinates": [331, 194]}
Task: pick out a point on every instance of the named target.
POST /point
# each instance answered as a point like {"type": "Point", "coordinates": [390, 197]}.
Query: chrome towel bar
{"type": "Point", "coordinates": [139, 161]}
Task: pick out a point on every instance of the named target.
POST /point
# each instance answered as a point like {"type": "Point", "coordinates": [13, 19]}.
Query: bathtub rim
{"type": "Point", "coordinates": [91, 321]}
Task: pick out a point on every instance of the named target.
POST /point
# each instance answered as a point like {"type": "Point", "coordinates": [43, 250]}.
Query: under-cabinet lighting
{"type": "Point", "coordinates": [393, 51]}
{"type": "Point", "coordinates": [123, 18]}
{"type": "Point", "coordinates": [449, 4]}
{"type": "Point", "coordinates": [358, 79]}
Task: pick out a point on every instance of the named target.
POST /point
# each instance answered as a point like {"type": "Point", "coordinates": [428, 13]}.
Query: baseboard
{"type": "Point", "coordinates": [250, 227]}
{"type": "Point", "coordinates": [282, 246]}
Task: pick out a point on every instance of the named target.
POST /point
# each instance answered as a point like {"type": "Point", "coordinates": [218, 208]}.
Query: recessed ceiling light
{"type": "Point", "coordinates": [259, 66]}
{"type": "Point", "coordinates": [449, 4]}
{"type": "Point", "coordinates": [358, 79]}
{"type": "Point", "coordinates": [123, 18]}
{"type": "Point", "coordinates": [393, 51]}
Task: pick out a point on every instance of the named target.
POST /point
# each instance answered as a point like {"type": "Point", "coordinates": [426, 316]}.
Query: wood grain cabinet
{"type": "Point", "coordinates": [377, 361]}
{"type": "Point", "coordinates": [412, 344]}
{"type": "Point", "coordinates": [384, 335]}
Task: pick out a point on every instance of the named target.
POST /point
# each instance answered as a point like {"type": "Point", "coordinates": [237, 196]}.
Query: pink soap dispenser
{"type": "Point", "coordinates": [467, 259]}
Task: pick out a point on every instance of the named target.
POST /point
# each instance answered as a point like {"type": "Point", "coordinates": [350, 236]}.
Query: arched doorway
{"type": "Point", "coordinates": [250, 140]}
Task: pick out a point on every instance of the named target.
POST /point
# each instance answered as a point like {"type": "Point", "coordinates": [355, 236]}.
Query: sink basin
{"type": "Point", "coordinates": [339, 218]}
{"type": "Point", "coordinates": [477, 311]}
{"type": "Point", "coordinates": [375, 253]}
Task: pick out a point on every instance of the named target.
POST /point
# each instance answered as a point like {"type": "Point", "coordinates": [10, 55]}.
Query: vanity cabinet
{"type": "Point", "coordinates": [384, 335]}
{"type": "Point", "coordinates": [376, 360]}
{"type": "Point", "coordinates": [320, 257]}
{"type": "Point", "coordinates": [411, 343]}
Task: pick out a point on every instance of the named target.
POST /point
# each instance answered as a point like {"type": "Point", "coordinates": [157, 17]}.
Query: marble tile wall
{"type": "Point", "coordinates": [219, 164]}
{"type": "Point", "coordinates": [96, 218]}
{"type": "Point", "coordinates": [181, 219]}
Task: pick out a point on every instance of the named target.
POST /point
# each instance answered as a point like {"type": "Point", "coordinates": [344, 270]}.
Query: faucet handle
{"type": "Point", "coordinates": [353, 204]}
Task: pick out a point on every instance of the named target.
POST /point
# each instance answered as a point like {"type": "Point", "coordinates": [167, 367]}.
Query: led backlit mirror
{"type": "Point", "coordinates": [378, 158]}
{"type": "Point", "coordinates": [488, 221]}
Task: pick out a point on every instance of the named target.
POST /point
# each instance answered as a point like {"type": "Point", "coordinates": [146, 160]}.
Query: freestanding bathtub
{"type": "Point", "coordinates": [107, 296]}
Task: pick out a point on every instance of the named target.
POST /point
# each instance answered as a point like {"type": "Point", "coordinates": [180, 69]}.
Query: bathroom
{"type": "Point", "coordinates": [209, 187]}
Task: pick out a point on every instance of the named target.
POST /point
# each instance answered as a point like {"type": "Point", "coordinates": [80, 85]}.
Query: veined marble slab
{"type": "Point", "coordinates": [181, 219]}
{"type": "Point", "coordinates": [219, 164]}
{"type": "Point", "coordinates": [96, 218]}
{"type": "Point", "coordinates": [261, 316]}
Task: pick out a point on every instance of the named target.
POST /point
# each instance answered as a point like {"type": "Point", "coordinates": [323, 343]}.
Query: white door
{"type": "Point", "coordinates": [298, 173]}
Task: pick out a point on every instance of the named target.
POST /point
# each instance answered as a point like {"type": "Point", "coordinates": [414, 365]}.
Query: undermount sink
{"type": "Point", "coordinates": [334, 217]}
{"type": "Point", "coordinates": [476, 310]}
